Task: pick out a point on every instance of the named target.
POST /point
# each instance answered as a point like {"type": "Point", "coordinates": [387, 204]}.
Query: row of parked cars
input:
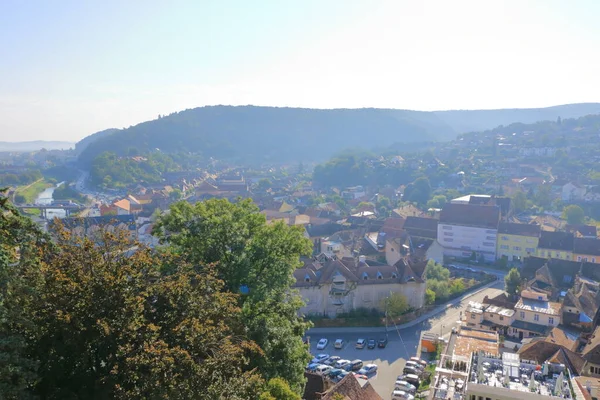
{"type": "Point", "coordinates": [360, 343]}
{"type": "Point", "coordinates": [406, 384]}
{"type": "Point", "coordinates": [336, 368]}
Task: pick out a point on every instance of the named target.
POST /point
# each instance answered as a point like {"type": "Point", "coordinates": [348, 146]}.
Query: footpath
{"type": "Point", "coordinates": [380, 329]}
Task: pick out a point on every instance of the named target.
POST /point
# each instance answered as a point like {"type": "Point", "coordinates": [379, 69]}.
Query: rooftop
{"type": "Point", "coordinates": [538, 306]}
{"type": "Point", "coordinates": [509, 373]}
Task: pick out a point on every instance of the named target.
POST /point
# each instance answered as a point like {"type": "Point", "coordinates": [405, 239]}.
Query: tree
{"type": "Point", "coordinates": [429, 296]}
{"type": "Point", "coordinates": [20, 199]}
{"type": "Point", "coordinates": [519, 201]}
{"type": "Point", "coordinates": [279, 389]}
{"type": "Point", "coordinates": [438, 201]}
{"type": "Point", "coordinates": [256, 260]}
{"type": "Point", "coordinates": [395, 304]}
{"type": "Point", "coordinates": [175, 194]}
{"type": "Point", "coordinates": [512, 282]}
{"type": "Point", "coordinates": [264, 184]}
{"type": "Point", "coordinates": [573, 214]}
{"type": "Point", "coordinates": [96, 320]}
{"type": "Point", "coordinates": [419, 191]}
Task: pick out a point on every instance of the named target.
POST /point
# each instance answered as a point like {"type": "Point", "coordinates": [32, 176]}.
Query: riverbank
{"type": "Point", "coordinates": [31, 192]}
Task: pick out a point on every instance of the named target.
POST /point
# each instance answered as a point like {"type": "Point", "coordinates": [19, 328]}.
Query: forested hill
{"type": "Point", "coordinates": [250, 133]}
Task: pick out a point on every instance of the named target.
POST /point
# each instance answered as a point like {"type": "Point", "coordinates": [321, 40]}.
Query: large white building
{"type": "Point", "coordinates": [465, 229]}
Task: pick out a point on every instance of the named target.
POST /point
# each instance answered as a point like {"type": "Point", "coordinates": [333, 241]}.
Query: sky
{"type": "Point", "coordinates": [69, 68]}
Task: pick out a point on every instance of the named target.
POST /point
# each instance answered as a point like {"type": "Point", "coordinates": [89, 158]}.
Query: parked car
{"type": "Point", "coordinates": [368, 369]}
{"type": "Point", "coordinates": [400, 394]}
{"type": "Point", "coordinates": [371, 344]}
{"type": "Point", "coordinates": [339, 343]}
{"type": "Point", "coordinates": [335, 372]}
{"type": "Point", "coordinates": [405, 386]}
{"type": "Point", "coordinates": [323, 369]}
{"type": "Point", "coordinates": [357, 375]}
{"type": "Point", "coordinates": [332, 360]}
{"type": "Point", "coordinates": [355, 365]}
{"type": "Point", "coordinates": [312, 366]}
{"type": "Point", "coordinates": [319, 358]}
{"type": "Point", "coordinates": [382, 342]}
{"type": "Point", "coordinates": [341, 363]}
{"type": "Point", "coordinates": [415, 365]}
{"type": "Point", "coordinates": [411, 378]}
{"type": "Point", "coordinates": [341, 376]}
{"type": "Point", "coordinates": [360, 343]}
{"type": "Point", "coordinates": [418, 360]}
{"type": "Point", "coordinates": [322, 344]}
{"type": "Point", "coordinates": [411, 370]}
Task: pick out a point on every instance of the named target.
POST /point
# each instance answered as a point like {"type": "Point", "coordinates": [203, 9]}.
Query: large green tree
{"type": "Point", "coordinates": [573, 214]}
{"type": "Point", "coordinates": [512, 281]}
{"type": "Point", "coordinates": [255, 259]}
{"type": "Point", "coordinates": [83, 320]}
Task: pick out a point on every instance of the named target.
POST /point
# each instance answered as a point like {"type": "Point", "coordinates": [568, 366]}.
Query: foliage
{"type": "Point", "coordinates": [110, 171]}
{"type": "Point", "coordinates": [66, 192]}
{"type": "Point", "coordinates": [438, 201]}
{"type": "Point", "coordinates": [21, 178]}
{"type": "Point", "coordinates": [279, 389]}
{"type": "Point", "coordinates": [255, 259]}
{"type": "Point", "coordinates": [419, 191]}
{"type": "Point", "coordinates": [441, 285]}
{"type": "Point", "coordinates": [429, 296]}
{"type": "Point", "coordinates": [395, 304]}
{"type": "Point", "coordinates": [574, 214]}
{"type": "Point", "coordinates": [86, 320]}
{"type": "Point", "coordinates": [519, 201]}
{"type": "Point", "coordinates": [512, 282]}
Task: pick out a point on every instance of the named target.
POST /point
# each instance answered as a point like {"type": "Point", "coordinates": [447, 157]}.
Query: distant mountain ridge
{"type": "Point", "coordinates": [35, 145]}
{"type": "Point", "coordinates": [256, 134]}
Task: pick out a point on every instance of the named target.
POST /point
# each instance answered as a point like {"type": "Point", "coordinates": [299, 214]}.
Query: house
{"type": "Point", "coordinates": [349, 388]}
{"type": "Point", "coordinates": [534, 315]}
{"type": "Point", "coordinates": [465, 229]}
{"type": "Point", "coordinates": [581, 304]}
{"type": "Point", "coordinates": [572, 192]}
{"type": "Point", "coordinates": [489, 317]}
{"type": "Point", "coordinates": [421, 227]}
{"type": "Point", "coordinates": [407, 210]}
{"type": "Point", "coordinates": [330, 286]}
{"type": "Point", "coordinates": [90, 226]}
{"type": "Point", "coordinates": [582, 231]}
{"type": "Point", "coordinates": [591, 353]}
{"type": "Point", "coordinates": [517, 241]}
{"type": "Point", "coordinates": [587, 250]}
{"type": "Point", "coordinates": [354, 192]}
{"type": "Point", "coordinates": [555, 245]}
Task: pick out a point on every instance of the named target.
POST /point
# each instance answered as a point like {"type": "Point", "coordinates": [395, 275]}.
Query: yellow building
{"type": "Point", "coordinates": [586, 249]}
{"type": "Point", "coordinates": [557, 245]}
{"type": "Point", "coordinates": [517, 241]}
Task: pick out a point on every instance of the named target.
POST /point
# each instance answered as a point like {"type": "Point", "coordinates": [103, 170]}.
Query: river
{"type": "Point", "coordinates": [46, 198]}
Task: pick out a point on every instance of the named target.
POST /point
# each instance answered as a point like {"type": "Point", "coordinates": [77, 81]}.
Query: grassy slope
{"type": "Point", "coordinates": [31, 192]}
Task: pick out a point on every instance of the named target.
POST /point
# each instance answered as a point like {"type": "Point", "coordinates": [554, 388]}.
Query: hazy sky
{"type": "Point", "coordinates": [70, 68]}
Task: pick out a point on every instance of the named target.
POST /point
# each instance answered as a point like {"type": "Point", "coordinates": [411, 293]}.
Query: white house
{"type": "Point", "coordinates": [534, 315]}
{"type": "Point", "coordinates": [573, 192]}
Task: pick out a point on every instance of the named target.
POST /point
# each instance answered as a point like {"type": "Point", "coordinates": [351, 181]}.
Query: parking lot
{"type": "Point", "coordinates": [390, 360]}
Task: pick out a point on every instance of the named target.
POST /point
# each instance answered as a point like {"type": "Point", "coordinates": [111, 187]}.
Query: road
{"type": "Point", "coordinates": [403, 343]}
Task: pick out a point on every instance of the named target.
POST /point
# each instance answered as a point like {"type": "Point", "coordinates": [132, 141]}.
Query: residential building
{"type": "Point", "coordinates": [583, 231]}
{"type": "Point", "coordinates": [90, 226]}
{"type": "Point", "coordinates": [465, 229]}
{"type": "Point", "coordinates": [517, 241]}
{"type": "Point", "coordinates": [581, 304]}
{"type": "Point", "coordinates": [591, 353]}
{"type": "Point", "coordinates": [332, 286]}
{"type": "Point", "coordinates": [350, 387]}
{"type": "Point", "coordinates": [587, 250]}
{"type": "Point", "coordinates": [489, 317]}
{"type": "Point", "coordinates": [555, 245]}
{"type": "Point", "coordinates": [534, 315]}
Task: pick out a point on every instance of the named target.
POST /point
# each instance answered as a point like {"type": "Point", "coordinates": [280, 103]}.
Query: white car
{"type": "Point", "coordinates": [400, 394]}
{"type": "Point", "coordinates": [405, 386]}
{"type": "Point", "coordinates": [319, 358]}
{"type": "Point", "coordinates": [368, 369]}
{"type": "Point", "coordinates": [339, 343]}
{"type": "Point", "coordinates": [341, 363]}
{"type": "Point", "coordinates": [332, 360]}
{"type": "Point", "coordinates": [322, 344]}
{"type": "Point", "coordinates": [323, 369]}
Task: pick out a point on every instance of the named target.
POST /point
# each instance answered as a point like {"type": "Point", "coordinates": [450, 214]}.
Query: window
{"type": "Point", "coordinates": [446, 227]}
{"type": "Point", "coordinates": [504, 247]}
{"type": "Point", "coordinates": [472, 316]}
{"type": "Point", "coordinates": [379, 276]}
{"type": "Point", "coordinates": [448, 234]}
{"type": "Point", "coordinates": [489, 244]}
{"type": "Point", "coordinates": [593, 259]}
{"type": "Point", "coordinates": [365, 276]}
{"type": "Point", "coordinates": [504, 237]}
{"type": "Point", "coordinates": [578, 258]}
{"type": "Point", "coordinates": [557, 255]}
{"type": "Point", "coordinates": [542, 253]}
{"type": "Point", "coordinates": [516, 248]}
{"type": "Point", "coordinates": [306, 278]}
{"type": "Point", "coordinates": [530, 250]}
{"type": "Point", "coordinates": [392, 249]}
{"type": "Point", "coordinates": [523, 314]}
{"type": "Point", "coordinates": [490, 238]}
{"type": "Point", "coordinates": [551, 320]}
{"type": "Point", "coordinates": [536, 317]}
{"type": "Point", "coordinates": [585, 259]}
{"type": "Point", "coordinates": [394, 275]}
{"type": "Point", "coordinates": [448, 240]}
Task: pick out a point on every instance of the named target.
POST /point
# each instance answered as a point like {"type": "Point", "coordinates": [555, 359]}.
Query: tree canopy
{"type": "Point", "coordinates": [512, 281]}
{"type": "Point", "coordinates": [574, 214]}
{"type": "Point", "coordinates": [255, 259]}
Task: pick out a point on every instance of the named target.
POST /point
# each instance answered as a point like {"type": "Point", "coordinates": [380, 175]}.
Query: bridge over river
{"type": "Point", "coordinates": [68, 208]}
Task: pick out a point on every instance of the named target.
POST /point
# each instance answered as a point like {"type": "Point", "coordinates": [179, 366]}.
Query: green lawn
{"type": "Point", "coordinates": [31, 192]}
